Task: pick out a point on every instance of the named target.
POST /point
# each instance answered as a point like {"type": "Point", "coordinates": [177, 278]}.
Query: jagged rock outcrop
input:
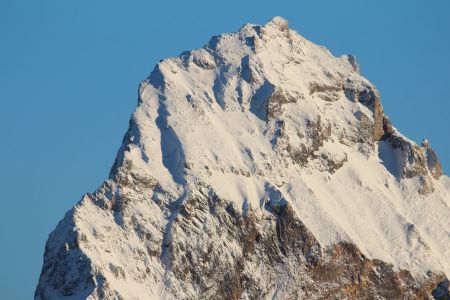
{"type": "Point", "coordinates": [433, 164]}
{"type": "Point", "coordinates": [416, 161]}
{"type": "Point", "coordinates": [258, 167]}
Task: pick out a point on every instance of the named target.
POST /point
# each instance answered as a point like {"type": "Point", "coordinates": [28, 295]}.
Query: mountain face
{"type": "Point", "coordinates": [258, 167]}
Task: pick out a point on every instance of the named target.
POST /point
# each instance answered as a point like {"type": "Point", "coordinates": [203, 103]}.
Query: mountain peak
{"type": "Point", "coordinates": [257, 166]}
{"type": "Point", "coordinates": [278, 22]}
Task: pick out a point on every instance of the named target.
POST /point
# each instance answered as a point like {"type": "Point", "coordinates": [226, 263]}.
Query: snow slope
{"type": "Point", "coordinates": [257, 117]}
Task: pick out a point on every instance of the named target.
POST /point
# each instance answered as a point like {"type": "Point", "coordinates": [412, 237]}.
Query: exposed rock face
{"type": "Point", "coordinates": [66, 268]}
{"type": "Point", "coordinates": [369, 96]}
{"type": "Point", "coordinates": [416, 161]}
{"type": "Point", "coordinates": [281, 243]}
{"type": "Point", "coordinates": [352, 60]}
{"type": "Point", "coordinates": [258, 167]}
{"type": "Point", "coordinates": [276, 101]}
{"type": "Point", "coordinates": [433, 164]}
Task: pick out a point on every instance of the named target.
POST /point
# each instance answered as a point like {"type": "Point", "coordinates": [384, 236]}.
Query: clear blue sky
{"type": "Point", "coordinates": [69, 72]}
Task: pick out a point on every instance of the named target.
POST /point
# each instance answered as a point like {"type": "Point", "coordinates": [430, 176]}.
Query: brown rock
{"type": "Point", "coordinates": [433, 164]}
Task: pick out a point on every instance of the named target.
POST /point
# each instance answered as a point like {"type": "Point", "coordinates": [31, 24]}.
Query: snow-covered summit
{"type": "Point", "coordinates": [257, 166]}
